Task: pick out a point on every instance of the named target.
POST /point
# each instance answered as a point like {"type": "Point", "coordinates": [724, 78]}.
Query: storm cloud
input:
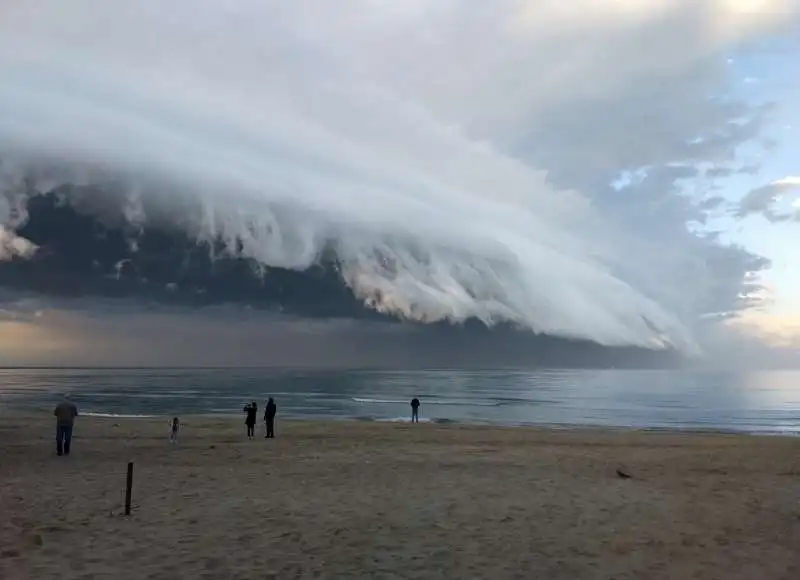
{"type": "Point", "coordinates": [531, 168]}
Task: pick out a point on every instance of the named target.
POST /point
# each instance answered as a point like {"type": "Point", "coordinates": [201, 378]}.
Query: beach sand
{"type": "Point", "coordinates": [379, 500]}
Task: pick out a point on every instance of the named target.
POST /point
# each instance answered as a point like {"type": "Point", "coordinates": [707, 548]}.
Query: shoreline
{"type": "Point", "coordinates": [14, 413]}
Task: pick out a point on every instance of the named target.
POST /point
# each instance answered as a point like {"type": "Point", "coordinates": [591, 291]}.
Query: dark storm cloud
{"type": "Point", "coordinates": [123, 332]}
{"type": "Point", "coordinates": [99, 254]}
{"type": "Point", "coordinates": [152, 291]}
{"type": "Point", "coordinates": [484, 194]}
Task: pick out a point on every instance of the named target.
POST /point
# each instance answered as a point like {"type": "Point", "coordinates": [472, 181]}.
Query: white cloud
{"type": "Point", "coordinates": [468, 145]}
{"type": "Point", "coordinates": [12, 245]}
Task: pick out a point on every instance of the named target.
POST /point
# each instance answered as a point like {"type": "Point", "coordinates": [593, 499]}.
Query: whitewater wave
{"type": "Point", "coordinates": [403, 420]}
{"type": "Point", "coordinates": [450, 402]}
{"type": "Point", "coordinates": [115, 415]}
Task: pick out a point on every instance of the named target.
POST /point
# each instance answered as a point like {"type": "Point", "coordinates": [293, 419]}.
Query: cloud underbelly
{"type": "Point", "coordinates": [94, 239]}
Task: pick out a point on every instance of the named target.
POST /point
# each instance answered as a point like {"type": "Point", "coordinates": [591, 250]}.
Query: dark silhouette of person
{"type": "Point", "coordinates": [173, 430]}
{"type": "Point", "coordinates": [269, 418]}
{"type": "Point", "coordinates": [415, 410]}
{"type": "Point", "coordinates": [250, 419]}
{"type": "Point", "coordinates": [65, 413]}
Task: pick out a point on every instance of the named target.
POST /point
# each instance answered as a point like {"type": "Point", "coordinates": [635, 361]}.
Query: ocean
{"type": "Point", "coordinates": [756, 402]}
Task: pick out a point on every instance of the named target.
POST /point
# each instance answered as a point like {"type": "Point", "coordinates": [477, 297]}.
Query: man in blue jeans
{"type": "Point", "coordinates": [65, 414]}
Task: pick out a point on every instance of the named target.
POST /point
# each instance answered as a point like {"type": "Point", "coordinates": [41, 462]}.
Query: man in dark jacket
{"type": "Point", "coordinates": [415, 410]}
{"type": "Point", "coordinates": [65, 413]}
{"type": "Point", "coordinates": [269, 418]}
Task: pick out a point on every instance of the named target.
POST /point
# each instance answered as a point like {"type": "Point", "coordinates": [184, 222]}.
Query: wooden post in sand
{"type": "Point", "coordinates": [129, 489]}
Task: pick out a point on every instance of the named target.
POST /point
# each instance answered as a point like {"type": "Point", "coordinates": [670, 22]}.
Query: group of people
{"type": "Point", "coordinates": [66, 411]}
{"type": "Point", "coordinates": [251, 412]}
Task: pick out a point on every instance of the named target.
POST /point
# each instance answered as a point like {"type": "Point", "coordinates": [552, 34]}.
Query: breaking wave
{"type": "Point", "coordinates": [451, 402]}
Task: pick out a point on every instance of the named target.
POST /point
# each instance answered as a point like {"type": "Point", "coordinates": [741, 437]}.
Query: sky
{"type": "Point", "coordinates": [617, 172]}
{"type": "Point", "coordinates": [770, 74]}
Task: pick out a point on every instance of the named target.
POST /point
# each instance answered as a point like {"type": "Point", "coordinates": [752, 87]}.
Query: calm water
{"type": "Point", "coordinates": [754, 402]}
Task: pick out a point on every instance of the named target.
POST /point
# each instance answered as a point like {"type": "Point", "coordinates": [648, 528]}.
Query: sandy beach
{"type": "Point", "coordinates": [380, 500]}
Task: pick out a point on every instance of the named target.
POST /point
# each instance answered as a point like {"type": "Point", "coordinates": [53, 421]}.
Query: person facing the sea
{"type": "Point", "coordinates": [269, 418]}
{"type": "Point", "coordinates": [250, 419]}
{"type": "Point", "coordinates": [65, 413]}
{"type": "Point", "coordinates": [173, 430]}
{"type": "Point", "coordinates": [415, 410]}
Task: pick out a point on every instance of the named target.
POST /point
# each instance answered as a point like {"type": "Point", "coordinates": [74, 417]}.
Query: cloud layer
{"type": "Point", "coordinates": [454, 160]}
{"type": "Point", "coordinates": [762, 200]}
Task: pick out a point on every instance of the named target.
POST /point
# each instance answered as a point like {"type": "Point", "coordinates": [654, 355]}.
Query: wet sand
{"type": "Point", "coordinates": [376, 500]}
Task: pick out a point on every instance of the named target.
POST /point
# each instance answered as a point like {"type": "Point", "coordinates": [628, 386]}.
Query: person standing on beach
{"type": "Point", "coordinates": [250, 419]}
{"type": "Point", "coordinates": [173, 430]}
{"type": "Point", "coordinates": [65, 413]}
{"type": "Point", "coordinates": [415, 410]}
{"type": "Point", "coordinates": [269, 418]}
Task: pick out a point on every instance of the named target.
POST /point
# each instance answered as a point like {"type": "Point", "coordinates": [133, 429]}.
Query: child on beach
{"type": "Point", "coordinates": [173, 430]}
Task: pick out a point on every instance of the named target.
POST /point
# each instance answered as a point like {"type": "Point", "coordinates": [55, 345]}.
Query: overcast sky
{"type": "Point", "coordinates": [623, 172]}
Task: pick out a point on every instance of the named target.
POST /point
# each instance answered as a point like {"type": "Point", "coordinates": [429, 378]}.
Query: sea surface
{"type": "Point", "coordinates": [761, 402]}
